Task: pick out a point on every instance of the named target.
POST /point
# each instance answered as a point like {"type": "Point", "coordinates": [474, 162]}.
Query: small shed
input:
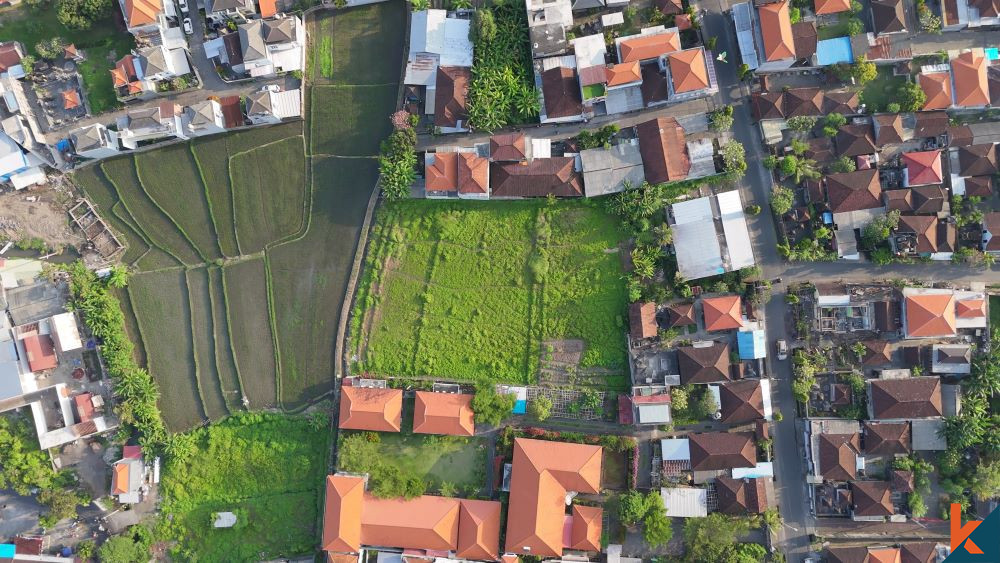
{"type": "Point", "coordinates": [224, 520]}
{"type": "Point", "coordinates": [685, 502]}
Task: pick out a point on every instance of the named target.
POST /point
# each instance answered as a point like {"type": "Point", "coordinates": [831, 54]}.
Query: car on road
{"type": "Point", "coordinates": [782, 350]}
{"type": "Point", "coordinates": [188, 29]}
{"type": "Point", "coordinates": [184, 5]}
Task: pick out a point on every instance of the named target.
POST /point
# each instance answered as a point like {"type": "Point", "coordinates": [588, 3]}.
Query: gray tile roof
{"type": "Point", "coordinates": [252, 41]}
{"type": "Point", "coordinates": [153, 61]}
{"type": "Point", "coordinates": [279, 31]}
{"type": "Point", "coordinates": [259, 102]}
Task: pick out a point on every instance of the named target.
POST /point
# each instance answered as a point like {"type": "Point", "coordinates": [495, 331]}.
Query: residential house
{"type": "Point", "coordinates": [536, 178]}
{"type": "Point", "coordinates": [969, 75]}
{"type": "Point", "coordinates": [888, 129]}
{"type": "Point", "coordinates": [804, 102]}
{"type": "Point", "coordinates": [924, 235]}
{"type": "Point", "coordinates": [692, 74]}
{"type": "Point", "coordinates": [855, 140]}
{"type": "Point", "coordinates": [236, 10]}
{"type": "Point", "coordinates": [443, 413]}
{"type": "Point", "coordinates": [888, 17]}
{"type": "Point", "coordinates": [855, 199]}
{"type": "Point", "coordinates": [922, 168]}
{"type": "Point", "coordinates": [722, 451]}
{"type": "Point", "coordinates": [94, 141]}
{"type": "Point", "coordinates": [451, 89]}
{"type": "Point", "coordinates": [126, 79]}
{"type": "Point", "coordinates": [703, 362]}
{"type": "Point", "coordinates": [843, 102]}
{"type": "Point", "coordinates": [826, 7]}
{"type": "Point", "coordinates": [744, 401]}
{"type": "Point", "coordinates": [765, 37]}
{"type": "Point", "coordinates": [561, 100]}
{"type": "Point", "coordinates": [991, 233]}
{"type": "Point", "coordinates": [272, 104]}
{"type": "Point", "coordinates": [680, 315]}
{"type": "Point", "coordinates": [663, 148]}
{"type": "Point", "coordinates": [370, 408]}
{"type": "Point", "coordinates": [203, 118]}
{"type": "Point", "coordinates": [608, 170]}
{"type": "Point", "coordinates": [128, 475]}
{"type": "Point", "coordinates": [768, 105]}
{"type": "Point", "coordinates": [936, 86]}
{"type": "Point", "coordinates": [461, 528]}
{"type": "Point", "coordinates": [541, 476]}
{"type": "Point", "coordinates": [642, 321]}
{"type": "Point", "coordinates": [145, 125]}
{"type": "Point", "coordinates": [913, 552]}
{"type": "Point", "coordinates": [647, 405]}
{"type": "Point", "coordinates": [684, 502]}
{"type": "Point", "coordinates": [548, 22]}
{"type": "Point", "coordinates": [886, 438]}
{"type": "Point", "coordinates": [916, 201]}
{"type": "Point", "coordinates": [871, 501]}
{"type": "Point", "coordinates": [153, 22]}
{"type": "Point", "coordinates": [513, 147]}
{"type": "Point", "coordinates": [834, 450]}
{"type": "Point", "coordinates": [11, 53]}
{"type": "Point", "coordinates": [742, 496]}
{"type": "Point", "coordinates": [951, 359]}
{"type": "Point", "coordinates": [876, 353]}
{"type": "Point", "coordinates": [710, 234]}
{"type": "Point", "coordinates": [722, 313]}
{"type": "Point", "coordinates": [904, 399]}
{"type": "Point", "coordinates": [270, 47]}
{"type": "Point", "coordinates": [459, 173]}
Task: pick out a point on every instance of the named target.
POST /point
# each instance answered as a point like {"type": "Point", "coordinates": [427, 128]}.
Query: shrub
{"type": "Point", "coordinates": [397, 163]}
{"type": "Point", "coordinates": [782, 199]}
{"type": "Point", "coordinates": [491, 407]}
{"type": "Point", "coordinates": [540, 408]}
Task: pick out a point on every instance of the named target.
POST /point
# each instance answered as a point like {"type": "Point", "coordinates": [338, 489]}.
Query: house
{"type": "Point", "coordinates": [691, 74]}
{"type": "Point", "coordinates": [128, 476]}
{"type": "Point", "coordinates": [768, 105]}
{"type": "Point", "coordinates": [888, 16]}
{"type": "Point", "coordinates": [612, 169]}
{"type": "Point", "coordinates": [642, 320]}
{"type": "Point", "coordinates": [272, 104]}
{"type": "Point", "coordinates": [370, 408]}
{"type": "Point", "coordinates": [975, 186]}
{"type": "Point", "coordinates": [126, 79]}
{"type": "Point", "coordinates": [888, 129]}
{"type": "Point", "coordinates": [924, 235]}
{"type": "Point", "coordinates": [703, 362]}
{"type": "Point", "coordinates": [886, 438]}
{"type": "Point", "coordinates": [548, 23]}
{"type": "Point", "coordinates": [561, 100]}
{"type": "Point", "coordinates": [775, 28]}
{"type": "Point", "coordinates": [648, 404]}
{"type": "Point", "coordinates": [685, 502]}
{"type": "Point", "coordinates": [451, 89]}
{"type": "Point", "coordinates": [913, 552]}
{"type": "Point", "coordinates": [153, 22]}
{"type": "Point", "coordinates": [456, 174]}
{"type": "Point", "coordinates": [715, 451]}
{"type": "Point", "coordinates": [157, 64]}
{"type": "Point", "coordinates": [804, 102]}
{"type": "Point", "coordinates": [742, 496]}
{"type": "Point", "coordinates": [680, 314]}
{"type": "Point", "coordinates": [203, 118]}
{"type": "Point", "coordinates": [143, 125]}
{"type": "Point", "coordinates": [651, 43]}
{"type": "Point", "coordinates": [510, 147]}
{"type": "Point", "coordinates": [928, 313]}
{"type": "Point", "coordinates": [466, 529]}
{"type": "Point", "coordinates": [711, 236]}
{"type": "Point", "coordinates": [855, 140]}
{"type": "Point", "coordinates": [969, 75]}
{"type": "Point", "coordinates": [877, 353]}
{"type": "Point", "coordinates": [921, 200]}
{"type": "Point", "coordinates": [871, 501]}
{"type": "Point", "coordinates": [20, 168]}
{"type": "Point", "coordinates": [844, 103]}
{"type": "Point", "coordinates": [541, 476]}
{"type": "Point", "coordinates": [908, 398]}
{"type": "Point", "coordinates": [443, 413]}
{"type": "Point", "coordinates": [855, 199]}
{"type": "Point", "coordinates": [937, 89]}
{"type": "Point", "coordinates": [744, 401]}
{"type": "Point", "coordinates": [991, 225]}
{"type": "Point", "coordinates": [11, 53]}
{"type": "Point", "coordinates": [975, 160]}
{"type": "Point", "coordinates": [663, 148]}
{"type": "Point", "coordinates": [722, 313]}
{"type": "Point", "coordinates": [270, 47]}
{"type": "Point", "coordinates": [222, 10]}
{"type": "Point", "coordinates": [537, 178]}
{"type": "Point", "coordinates": [839, 456]}
{"type": "Point", "coordinates": [951, 359]}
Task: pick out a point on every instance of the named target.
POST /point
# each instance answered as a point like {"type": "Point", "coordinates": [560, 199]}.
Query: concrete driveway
{"type": "Point", "coordinates": [18, 514]}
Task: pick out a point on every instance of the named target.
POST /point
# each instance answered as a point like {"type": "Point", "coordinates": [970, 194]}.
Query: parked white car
{"type": "Point", "coordinates": [184, 5]}
{"type": "Point", "coordinates": [188, 28]}
{"type": "Point", "coordinates": [782, 350]}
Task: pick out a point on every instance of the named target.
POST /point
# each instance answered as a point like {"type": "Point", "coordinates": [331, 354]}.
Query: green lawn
{"type": "Point", "coordinates": [268, 469]}
{"type": "Point", "coordinates": [880, 92]}
{"type": "Point", "coordinates": [29, 26]}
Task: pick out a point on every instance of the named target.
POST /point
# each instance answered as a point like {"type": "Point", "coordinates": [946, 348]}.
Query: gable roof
{"type": "Point", "coordinates": [541, 475]}
{"type": "Point", "coordinates": [443, 413]}
{"type": "Point", "coordinates": [508, 146]}
{"type": "Point", "coordinates": [369, 408]}
{"type": "Point", "coordinates": [561, 93]}
{"type": "Point", "coordinates": [776, 31]}
{"type": "Point", "coordinates": [342, 515]}
{"type": "Point", "coordinates": [888, 128]}
{"type": "Point", "coordinates": [704, 364]}
{"type": "Point", "coordinates": [537, 178]}
{"type": "Point", "coordinates": [740, 496]}
{"type": "Point", "coordinates": [450, 95]}
{"type": "Point", "coordinates": [741, 401]}
{"type": "Point", "coordinates": [585, 530]}
{"type": "Point", "coordinates": [831, 6]}
{"type": "Point", "coordinates": [855, 140]}
{"type": "Point", "coordinates": [969, 73]}
{"type": "Point", "coordinates": [769, 105]}
{"type": "Point", "coordinates": [887, 438]}
{"type": "Point", "coordinates": [921, 199]}
{"type": "Point", "coordinates": [977, 160]}
{"type": "Point", "coordinates": [929, 314]}
{"type": "Point", "coordinates": [473, 174]}
{"type": "Point", "coordinates": [803, 101]}
{"type": "Point", "coordinates": [642, 320]}
{"type": "Point", "coordinates": [854, 191]}
{"type": "Point", "coordinates": [722, 312]}
{"type": "Point", "coordinates": [688, 70]}
{"type": "Point", "coordinates": [722, 450]}
{"type": "Point", "coordinates": [838, 456]}
{"type": "Point", "coordinates": [119, 478]}
{"type": "Point", "coordinates": [871, 498]}
{"type": "Point", "coordinates": [41, 352]}
{"type": "Point", "coordinates": [649, 46]}
{"type": "Point", "coordinates": [663, 147]}
{"type": "Point", "coordinates": [937, 89]}
{"type": "Point", "coordinates": [142, 12]}
{"type": "Point", "coordinates": [888, 16]}
{"type": "Point", "coordinates": [911, 397]}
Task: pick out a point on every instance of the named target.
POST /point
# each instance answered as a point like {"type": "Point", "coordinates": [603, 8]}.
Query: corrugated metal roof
{"type": "Point", "coordinates": [752, 344]}
{"type": "Point", "coordinates": [744, 34]}
{"type": "Point", "coordinates": [734, 225]}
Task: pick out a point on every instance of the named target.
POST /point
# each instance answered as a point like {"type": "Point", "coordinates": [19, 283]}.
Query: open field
{"type": "Point", "coordinates": [202, 331]}
{"type": "Point", "coordinates": [132, 327]}
{"type": "Point", "coordinates": [171, 180]}
{"type": "Point", "coordinates": [361, 39]}
{"type": "Point", "coordinates": [265, 214]}
{"type": "Point", "coordinates": [212, 160]}
{"type": "Point", "coordinates": [268, 469]}
{"type": "Point", "coordinates": [356, 131]}
{"type": "Point", "coordinates": [164, 314]}
{"type": "Point", "coordinates": [470, 290]}
{"type": "Point", "coordinates": [225, 364]}
{"type": "Point", "coordinates": [245, 286]}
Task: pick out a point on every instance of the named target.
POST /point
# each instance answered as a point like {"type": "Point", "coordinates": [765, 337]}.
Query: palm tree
{"type": "Point", "coordinates": [806, 169]}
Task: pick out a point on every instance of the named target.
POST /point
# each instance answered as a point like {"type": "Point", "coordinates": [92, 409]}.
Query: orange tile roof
{"type": "Point", "coordinates": [923, 167]}
{"type": "Point", "coordinates": [937, 89]}
{"type": "Point", "coordinates": [478, 530]}
{"type": "Point", "coordinates": [134, 87]}
{"type": "Point", "coordinates": [776, 31]}
{"type": "Point", "coordinates": [268, 8]}
{"type": "Point", "coordinates": [971, 86]}
{"type": "Point", "coordinates": [623, 73]}
{"type": "Point", "coordinates": [443, 413]}
{"type": "Point", "coordinates": [41, 352]}
{"type": "Point", "coordinates": [342, 516]}
{"type": "Point", "coordinates": [365, 408]}
{"type": "Point", "coordinates": [970, 308]}
{"type": "Point", "coordinates": [508, 558]}
{"type": "Point", "coordinates": [124, 71]}
{"type": "Point", "coordinates": [586, 529]}
{"type": "Point", "coordinates": [885, 555]}
{"type": "Point", "coordinates": [930, 314]}
{"type": "Point", "coordinates": [473, 174]}
{"type": "Point", "coordinates": [649, 46]}
{"type": "Point", "coordinates": [425, 522]}
{"type": "Point", "coordinates": [142, 12]}
{"type": "Point", "coordinates": [119, 479]}
{"type": "Point", "coordinates": [71, 100]}
{"type": "Point", "coordinates": [542, 474]}
{"type": "Point", "coordinates": [831, 6]}
{"type": "Point", "coordinates": [722, 313]}
{"type": "Point", "coordinates": [442, 174]}
{"type": "Point", "coordinates": [688, 70]}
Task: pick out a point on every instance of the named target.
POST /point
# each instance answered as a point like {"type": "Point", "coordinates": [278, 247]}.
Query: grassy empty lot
{"type": "Point", "coordinates": [350, 120]}
{"type": "Point", "coordinates": [356, 44]}
{"type": "Point", "coordinates": [880, 92]}
{"type": "Point", "coordinates": [469, 290]}
{"type": "Point", "coordinates": [267, 469]}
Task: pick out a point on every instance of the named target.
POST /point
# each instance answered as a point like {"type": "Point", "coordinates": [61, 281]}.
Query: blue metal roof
{"type": "Point", "coordinates": [752, 344]}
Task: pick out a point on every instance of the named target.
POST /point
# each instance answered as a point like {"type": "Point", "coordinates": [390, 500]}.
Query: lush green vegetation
{"type": "Point", "coordinates": [397, 163]}
{"type": "Point", "coordinates": [266, 468]}
{"type": "Point", "coordinates": [882, 90]}
{"type": "Point", "coordinates": [358, 46]}
{"type": "Point", "coordinates": [350, 120]}
{"type": "Point", "coordinates": [265, 215]}
{"type": "Point", "coordinates": [469, 290]}
{"type": "Point", "coordinates": [647, 509]}
{"type": "Point", "coordinates": [129, 547]}
{"type": "Point", "coordinates": [502, 91]}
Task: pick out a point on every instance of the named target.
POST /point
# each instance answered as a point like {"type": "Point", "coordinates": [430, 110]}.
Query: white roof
{"type": "Point", "coordinates": [765, 392]}
{"type": "Point", "coordinates": [762, 469]}
{"type": "Point", "coordinates": [287, 59]}
{"type": "Point", "coordinates": [67, 335]}
{"type": "Point", "coordinates": [612, 19]}
{"type": "Point", "coordinates": [653, 414]}
{"type": "Point", "coordinates": [925, 435]}
{"type": "Point", "coordinates": [590, 50]}
{"type": "Point", "coordinates": [286, 103]}
{"type": "Point", "coordinates": [675, 449]}
{"type": "Point", "coordinates": [30, 177]}
{"type": "Point", "coordinates": [734, 224]}
{"type": "Point", "coordinates": [215, 48]}
{"type": "Point", "coordinates": [10, 374]}
{"type": "Point", "coordinates": [744, 34]}
{"type": "Point", "coordinates": [685, 503]}
{"type": "Point", "coordinates": [431, 31]}
{"type": "Point", "coordinates": [11, 158]}
{"type": "Point", "coordinates": [695, 240]}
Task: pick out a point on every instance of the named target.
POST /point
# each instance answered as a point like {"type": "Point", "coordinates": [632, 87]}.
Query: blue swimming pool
{"type": "Point", "coordinates": [833, 51]}
{"type": "Point", "coordinates": [992, 53]}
